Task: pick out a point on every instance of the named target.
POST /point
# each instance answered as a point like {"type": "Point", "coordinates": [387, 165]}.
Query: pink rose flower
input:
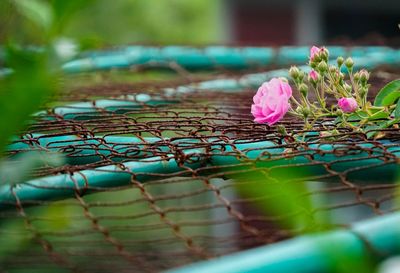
{"type": "Point", "coordinates": [313, 51]}
{"type": "Point", "coordinates": [271, 102]}
{"type": "Point", "coordinates": [348, 105]}
{"type": "Point", "coordinates": [313, 75]}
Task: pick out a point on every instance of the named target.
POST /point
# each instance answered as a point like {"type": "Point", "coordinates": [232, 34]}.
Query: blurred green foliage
{"type": "Point", "coordinates": [36, 70]}
{"type": "Point", "coordinates": [102, 22]}
{"type": "Point", "coordinates": [30, 29]}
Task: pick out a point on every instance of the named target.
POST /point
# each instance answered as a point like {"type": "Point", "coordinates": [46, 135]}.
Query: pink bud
{"type": "Point", "coordinates": [313, 51]}
{"type": "Point", "coordinates": [313, 75]}
{"type": "Point", "coordinates": [348, 105]}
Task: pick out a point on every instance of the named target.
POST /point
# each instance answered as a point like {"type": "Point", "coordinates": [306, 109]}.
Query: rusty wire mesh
{"type": "Point", "coordinates": [191, 214]}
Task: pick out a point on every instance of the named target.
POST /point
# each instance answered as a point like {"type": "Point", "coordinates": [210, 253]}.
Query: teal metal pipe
{"type": "Point", "coordinates": [212, 57]}
{"type": "Point", "coordinates": [87, 110]}
{"type": "Point", "coordinates": [188, 57]}
{"type": "Point", "coordinates": [215, 56]}
{"type": "Point", "coordinates": [87, 181]}
{"type": "Point", "coordinates": [265, 154]}
{"type": "Point", "coordinates": [80, 151]}
{"type": "Point", "coordinates": [312, 253]}
{"type": "Point", "coordinates": [118, 148]}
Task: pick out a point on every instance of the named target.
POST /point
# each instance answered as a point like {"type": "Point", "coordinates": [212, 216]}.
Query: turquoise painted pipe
{"type": "Point", "coordinates": [368, 57]}
{"type": "Point", "coordinates": [214, 56]}
{"type": "Point", "coordinates": [188, 57]}
{"type": "Point", "coordinates": [266, 153]}
{"type": "Point", "coordinates": [88, 150]}
{"type": "Point", "coordinates": [80, 151]}
{"type": "Point", "coordinates": [87, 181]}
{"type": "Point", "coordinates": [314, 253]}
{"type": "Point", "coordinates": [87, 110]}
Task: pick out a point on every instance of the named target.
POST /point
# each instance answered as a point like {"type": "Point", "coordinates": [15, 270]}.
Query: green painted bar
{"type": "Point", "coordinates": [311, 253]}
{"type": "Point", "coordinates": [214, 56]}
{"type": "Point", "coordinates": [87, 110]}
{"type": "Point", "coordinates": [265, 152]}
{"type": "Point", "coordinates": [80, 151]}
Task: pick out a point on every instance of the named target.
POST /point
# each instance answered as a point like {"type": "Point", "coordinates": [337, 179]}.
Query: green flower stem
{"type": "Point", "coordinates": [311, 105]}
{"type": "Point", "coordinates": [295, 101]}
{"type": "Point", "coordinates": [339, 88]}
{"type": "Point", "coordinates": [355, 88]}
{"type": "Point", "coordinates": [321, 98]}
{"type": "Point", "coordinates": [328, 89]}
{"type": "Point", "coordinates": [317, 117]}
{"type": "Point", "coordinates": [295, 114]}
{"type": "Point", "coordinates": [322, 91]}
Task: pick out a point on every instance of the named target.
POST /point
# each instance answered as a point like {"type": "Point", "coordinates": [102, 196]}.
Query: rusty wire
{"type": "Point", "coordinates": [197, 213]}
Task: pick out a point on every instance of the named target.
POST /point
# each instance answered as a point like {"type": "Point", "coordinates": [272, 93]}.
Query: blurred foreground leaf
{"type": "Point", "coordinates": [37, 11]}
{"type": "Point", "coordinates": [18, 170]}
{"type": "Point", "coordinates": [282, 196]}
{"type": "Point", "coordinates": [22, 93]}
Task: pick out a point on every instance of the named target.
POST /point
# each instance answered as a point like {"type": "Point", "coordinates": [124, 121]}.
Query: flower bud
{"type": "Point", "coordinates": [347, 87]}
{"type": "Point", "coordinates": [324, 53]}
{"type": "Point", "coordinates": [322, 66]}
{"type": "Point", "coordinates": [303, 88]}
{"type": "Point", "coordinates": [301, 75]}
{"type": "Point", "coordinates": [313, 52]}
{"type": "Point", "coordinates": [363, 91]}
{"type": "Point", "coordinates": [313, 76]}
{"type": "Point", "coordinates": [356, 76]}
{"type": "Point", "coordinates": [283, 79]}
{"type": "Point", "coordinates": [349, 63]}
{"type": "Point", "coordinates": [305, 112]}
{"type": "Point", "coordinates": [332, 69]}
{"type": "Point", "coordinates": [317, 58]}
{"type": "Point", "coordinates": [294, 72]}
{"type": "Point", "coordinates": [364, 76]}
{"type": "Point", "coordinates": [348, 105]}
{"type": "Point", "coordinates": [340, 61]}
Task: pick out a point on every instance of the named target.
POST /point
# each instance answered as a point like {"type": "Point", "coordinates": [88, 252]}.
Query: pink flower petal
{"type": "Point", "coordinates": [271, 102]}
{"type": "Point", "coordinates": [314, 50]}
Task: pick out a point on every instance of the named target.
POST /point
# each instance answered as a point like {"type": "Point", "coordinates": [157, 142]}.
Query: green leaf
{"type": "Point", "coordinates": [37, 11]}
{"type": "Point", "coordinates": [397, 110]}
{"type": "Point", "coordinates": [389, 94]}
{"type": "Point", "coordinates": [379, 115]}
{"type": "Point", "coordinates": [359, 114]}
{"type": "Point", "coordinates": [356, 116]}
{"type": "Point", "coordinates": [373, 130]}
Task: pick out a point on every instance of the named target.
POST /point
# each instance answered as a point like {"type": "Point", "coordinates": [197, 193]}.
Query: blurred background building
{"type": "Point", "coordinates": [266, 22]}
{"type": "Point", "coordinates": [300, 22]}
